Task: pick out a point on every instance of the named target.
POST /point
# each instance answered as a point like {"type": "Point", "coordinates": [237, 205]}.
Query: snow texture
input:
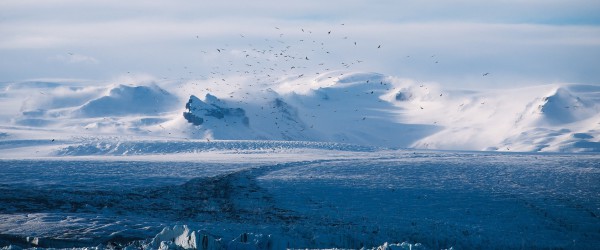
{"type": "Point", "coordinates": [364, 199]}
{"type": "Point", "coordinates": [344, 107]}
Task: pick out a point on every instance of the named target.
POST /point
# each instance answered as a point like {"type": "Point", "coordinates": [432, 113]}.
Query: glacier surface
{"type": "Point", "coordinates": [297, 197]}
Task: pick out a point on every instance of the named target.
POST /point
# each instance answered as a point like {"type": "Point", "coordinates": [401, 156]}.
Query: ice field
{"type": "Point", "coordinates": [313, 197]}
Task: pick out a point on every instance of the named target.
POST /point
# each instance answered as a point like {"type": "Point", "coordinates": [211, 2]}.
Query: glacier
{"type": "Point", "coordinates": [343, 160]}
{"type": "Point", "coordinates": [299, 198]}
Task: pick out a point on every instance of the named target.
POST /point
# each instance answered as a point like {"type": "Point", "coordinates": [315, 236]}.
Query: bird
{"type": "Point", "coordinates": [485, 74]}
{"type": "Point", "coordinates": [379, 47]}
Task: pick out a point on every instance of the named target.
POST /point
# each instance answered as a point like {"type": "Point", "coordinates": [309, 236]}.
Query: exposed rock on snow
{"type": "Point", "coordinates": [287, 121]}
{"type": "Point", "coordinates": [562, 107]}
{"type": "Point", "coordinates": [404, 95]}
{"type": "Point", "coordinates": [212, 108]}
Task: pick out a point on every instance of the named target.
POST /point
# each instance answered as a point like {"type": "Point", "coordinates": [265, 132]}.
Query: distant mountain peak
{"type": "Point", "coordinates": [198, 111]}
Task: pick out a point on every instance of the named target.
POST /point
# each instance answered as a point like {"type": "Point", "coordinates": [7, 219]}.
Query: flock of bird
{"type": "Point", "coordinates": [267, 61]}
{"type": "Point", "coordinates": [283, 56]}
{"type": "Point", "coordinates": [296, 54]}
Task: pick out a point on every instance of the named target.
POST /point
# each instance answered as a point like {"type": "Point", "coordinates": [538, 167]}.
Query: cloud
{"type": "Point", "coordinates": [505, 11]}
{"type": "Point", "coordinates": [75, 58]}
{"type": "Point", "coordinates": [540, 40]}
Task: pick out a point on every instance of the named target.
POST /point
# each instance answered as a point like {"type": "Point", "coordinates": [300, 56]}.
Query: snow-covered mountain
{"type": "Point", "coordinates": [344, 107]}
{"type": "Point", "coordinates": [300, 163]}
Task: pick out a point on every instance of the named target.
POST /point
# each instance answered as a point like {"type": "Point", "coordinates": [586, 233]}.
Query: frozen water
{"type": "Point", "coordinates": [437, 199]}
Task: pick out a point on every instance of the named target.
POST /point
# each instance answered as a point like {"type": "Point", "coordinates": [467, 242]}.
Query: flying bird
{"type": "Point", "coordinates": [485, 74]}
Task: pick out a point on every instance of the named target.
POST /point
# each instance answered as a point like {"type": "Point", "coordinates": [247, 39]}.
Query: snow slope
{"type": "Point", "coordinates": [126, 100]}
{"type": "Point", "coordinates": [336, 106]}
{"type": "Point", "coordinates": [542, 118]}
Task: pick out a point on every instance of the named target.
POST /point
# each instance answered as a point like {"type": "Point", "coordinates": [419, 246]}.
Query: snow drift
{"type": "Point", "coordinates": [343, 107]}
{"type": "Point", "coordinates": [129, 100]}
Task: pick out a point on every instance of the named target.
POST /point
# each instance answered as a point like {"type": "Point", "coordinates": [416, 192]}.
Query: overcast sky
{"type": "Point", "coordinates": [454, 43]}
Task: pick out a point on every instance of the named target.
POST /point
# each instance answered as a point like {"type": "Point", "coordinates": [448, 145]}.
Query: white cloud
{"type": "Point", "coordinates": [75, 58]}
{"type": "Point", "coordinates": [543, 40]}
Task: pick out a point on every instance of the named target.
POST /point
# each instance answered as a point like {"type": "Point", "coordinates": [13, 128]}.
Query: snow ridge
{"type": "Point", "coordinates": [359, 108]}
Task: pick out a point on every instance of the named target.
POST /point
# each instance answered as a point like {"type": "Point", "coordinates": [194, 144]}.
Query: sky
{"type": "Point", "coordinates": [454, 43]}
